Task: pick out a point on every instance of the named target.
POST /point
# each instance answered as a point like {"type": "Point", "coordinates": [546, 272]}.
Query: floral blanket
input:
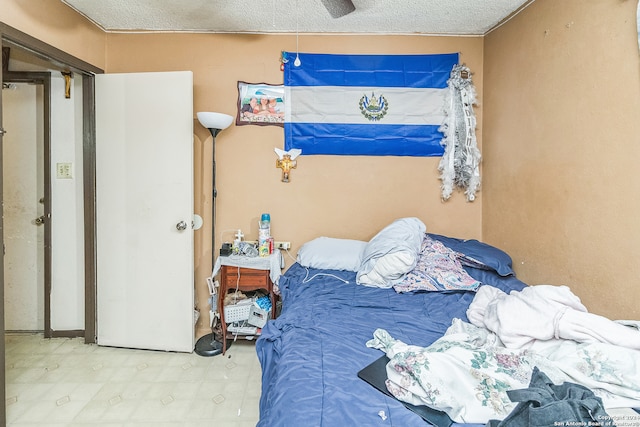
{"type": "Point", "coordinates": [468, 371]}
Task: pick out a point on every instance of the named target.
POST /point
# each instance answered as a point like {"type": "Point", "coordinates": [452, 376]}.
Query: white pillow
{"type": "Point", "coordinates": [333, 254]}
{"type": "Point", "coordinates": [391, 253]}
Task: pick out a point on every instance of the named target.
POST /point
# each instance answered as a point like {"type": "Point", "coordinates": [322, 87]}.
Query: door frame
{"type": "Point", "coordinates": [11, 37]}
{"type": "Point", "coordinates": [44, 79]}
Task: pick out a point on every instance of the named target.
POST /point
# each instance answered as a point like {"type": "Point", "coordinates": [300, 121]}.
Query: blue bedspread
{"type": "Point", "coordinates": [311, 354]}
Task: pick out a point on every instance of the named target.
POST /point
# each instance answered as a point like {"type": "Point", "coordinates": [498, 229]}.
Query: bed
{"type": "Point", "coordinates": [311, 354]}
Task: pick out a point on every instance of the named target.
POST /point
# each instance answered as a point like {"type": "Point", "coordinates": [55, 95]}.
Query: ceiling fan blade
{"type": "Point", "coordinates": [338, 8]}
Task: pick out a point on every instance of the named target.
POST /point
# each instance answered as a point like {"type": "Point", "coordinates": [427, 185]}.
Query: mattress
{"type": "Point", "coordinates": [312, 353]}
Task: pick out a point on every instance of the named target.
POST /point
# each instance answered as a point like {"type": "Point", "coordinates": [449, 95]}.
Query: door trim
{"type": "Point", "coordinates": [44, 51]}
{"type": "Point", "coordinates": [10, 36]}
{"type": "Point", "coordinates": [3, 398]}
{"type": "Point", "coordinates": [60, 59]}
{"type": "Point", "coordinates": [89, 174]}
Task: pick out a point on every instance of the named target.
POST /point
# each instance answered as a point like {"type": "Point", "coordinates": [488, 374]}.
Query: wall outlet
{"type": "Point", "coordinates": [282, 245]}
{"type": "Point", "coordinates": [276, 245]}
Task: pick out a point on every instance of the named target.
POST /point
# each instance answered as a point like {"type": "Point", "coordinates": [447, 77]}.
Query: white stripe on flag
{"type": "Point", "coordinates": [333, 104]}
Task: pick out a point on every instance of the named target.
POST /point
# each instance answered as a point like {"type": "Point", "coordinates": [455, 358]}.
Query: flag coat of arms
{"type": "Point", "coordinates": [381, 105]}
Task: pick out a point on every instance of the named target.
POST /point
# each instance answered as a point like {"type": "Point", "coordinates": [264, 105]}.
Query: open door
{"type": "Point", "coordinates": [144, 210]}
{"type": "Point", "coordinates": [25, 216]}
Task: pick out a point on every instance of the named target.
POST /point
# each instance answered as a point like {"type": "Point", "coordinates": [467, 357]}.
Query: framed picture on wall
{"type": "Point", "coordinates": [260, 104]}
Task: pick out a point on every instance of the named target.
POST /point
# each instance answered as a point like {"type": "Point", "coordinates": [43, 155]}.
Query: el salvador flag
{"type": "Point", "coordinates": [380, 105]}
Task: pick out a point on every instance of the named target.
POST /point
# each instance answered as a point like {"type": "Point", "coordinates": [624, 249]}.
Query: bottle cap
{"type": "Point", "coordinates": [265, 217]}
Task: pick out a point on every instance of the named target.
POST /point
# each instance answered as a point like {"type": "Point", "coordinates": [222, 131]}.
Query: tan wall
{"type": "Point", "coordinates": [67, 31]}
{"type": "Point", "coordinates": [561, 149]}
{"type": "Point", "coordinates": [560, 125]}
{"type": "Point", "coordinates": [340, 196]}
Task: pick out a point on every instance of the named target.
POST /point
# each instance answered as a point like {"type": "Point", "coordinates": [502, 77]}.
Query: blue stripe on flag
{"type": "Point", "coordinates": [342, 124]}
{"type": "Point", "coordinates": [372, 140]}
{"type": "Point", "coordinates": [370, 70]}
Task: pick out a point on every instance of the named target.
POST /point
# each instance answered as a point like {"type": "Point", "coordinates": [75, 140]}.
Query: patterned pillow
{"type": "Point", "coordinates": [478, 254]}
{"type": "Point", "coordinates": [438, 269]}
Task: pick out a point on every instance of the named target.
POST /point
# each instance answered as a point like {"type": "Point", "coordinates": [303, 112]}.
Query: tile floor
{"type": "Point", "coordinates": [64, 382]}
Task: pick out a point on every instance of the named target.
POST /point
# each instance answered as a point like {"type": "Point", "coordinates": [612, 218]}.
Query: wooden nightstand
{"type": "Point", "coordinates": [242, 279]}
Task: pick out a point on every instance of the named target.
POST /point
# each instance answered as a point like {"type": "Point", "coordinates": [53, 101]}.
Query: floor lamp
{"type": "Point", "coordinates": [207, 345]}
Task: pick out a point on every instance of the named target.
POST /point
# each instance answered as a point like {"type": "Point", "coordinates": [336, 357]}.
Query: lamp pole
{"type": "Point", "coordinates": [214, 194]}
{"type": "Point", "coordinates": [207, 345]}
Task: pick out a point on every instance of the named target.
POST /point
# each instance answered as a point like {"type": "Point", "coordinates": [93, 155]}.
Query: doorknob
{"type": "Point", "coordinates": [181, 226]}
{"type": "Point", "coordinates": [197, 222]}
{"type": "Point", "coordinates": [39, 220]}
{"type": "Point", "coordinates": [2, 131]}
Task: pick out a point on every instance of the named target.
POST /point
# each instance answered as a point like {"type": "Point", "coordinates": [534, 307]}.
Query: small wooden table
{"type": "Point", "coordinates": [244, 279]}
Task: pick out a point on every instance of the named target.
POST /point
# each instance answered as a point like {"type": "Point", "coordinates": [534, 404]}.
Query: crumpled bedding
{"type": "Point", "coordinates": [544, 312]}
{"type": "Point", "coordinates": [468, 371]}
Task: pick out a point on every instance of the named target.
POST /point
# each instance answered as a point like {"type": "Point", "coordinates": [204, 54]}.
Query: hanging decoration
{"type": "Point", "coordinates": [287, 161]}
{"type": "Point", "coordinates": [68, 75]}
{"type": "Point", "coordinates": [460, 164]}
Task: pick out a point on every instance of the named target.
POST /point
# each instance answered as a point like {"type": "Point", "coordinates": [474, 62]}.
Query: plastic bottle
{"type": "Point", "coordinates": [265, 223]}
{"type": "Point", "coordinates": [264, 233]}
{"type": "Point", "coordinates": [236, 242]}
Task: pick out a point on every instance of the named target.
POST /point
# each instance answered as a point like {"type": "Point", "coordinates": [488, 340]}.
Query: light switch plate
{"type": "Point", "coordinates": [64, 170]}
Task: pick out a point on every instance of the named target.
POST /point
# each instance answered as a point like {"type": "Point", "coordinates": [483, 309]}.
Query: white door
{"type": "Point", "coordinates": [144, 200]}
{"type": "Point", "coordinates": [23, 182]}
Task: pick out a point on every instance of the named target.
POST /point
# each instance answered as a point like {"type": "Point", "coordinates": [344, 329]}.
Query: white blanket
{"type": "Point", "coordinates": [544, 312]}
{"type": "Point", "coordinates": [467, 372]}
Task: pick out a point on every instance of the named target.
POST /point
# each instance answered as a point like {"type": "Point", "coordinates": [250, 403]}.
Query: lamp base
{"type": "Point", "coordinates": [207, 346]}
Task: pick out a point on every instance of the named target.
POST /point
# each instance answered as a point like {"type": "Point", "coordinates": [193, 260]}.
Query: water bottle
{"type": "Point", "coordinates": [264, 234]}
{"type": "Point", "coordinates": [265, 224]}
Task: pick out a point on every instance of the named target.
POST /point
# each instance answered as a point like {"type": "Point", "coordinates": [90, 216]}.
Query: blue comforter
{"type": "Point", "coordinates": [311, 354]}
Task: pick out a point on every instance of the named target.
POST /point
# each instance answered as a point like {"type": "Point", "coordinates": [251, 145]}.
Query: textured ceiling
{"type": "Point", "coordinates": [454, 17]}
